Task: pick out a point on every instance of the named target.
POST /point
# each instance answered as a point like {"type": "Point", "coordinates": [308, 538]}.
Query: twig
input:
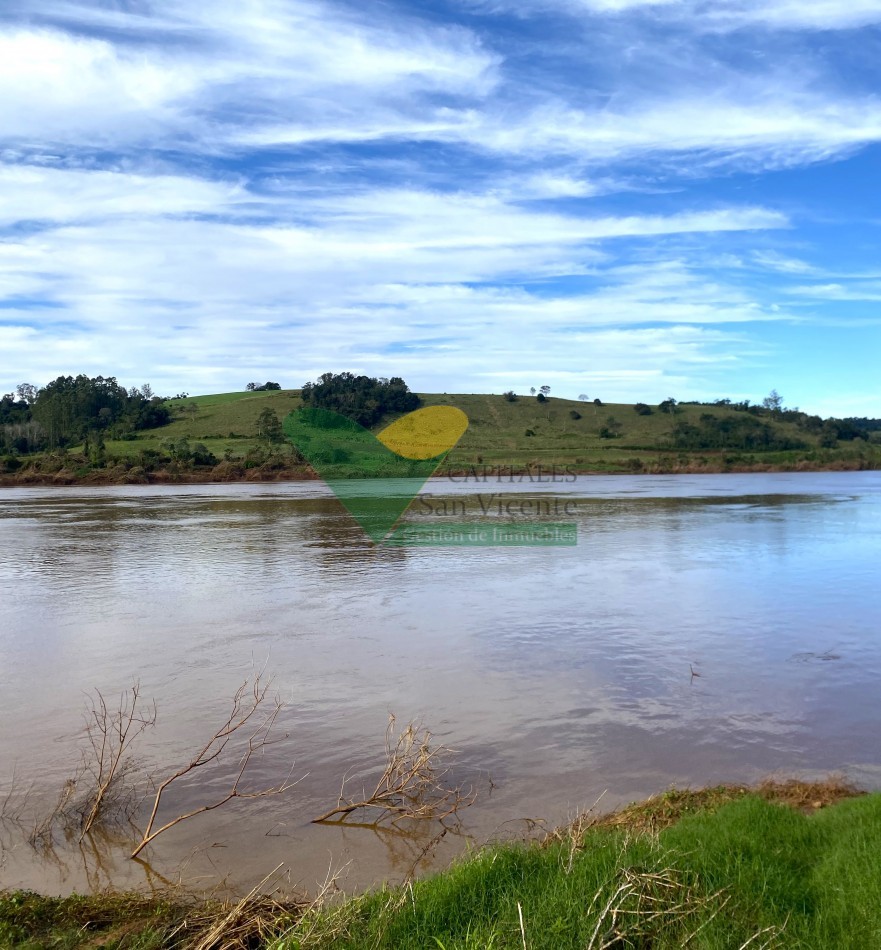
{"type": "Point", "coordinates": [14, 804]}
{"type": "Point", "coordinates": [110, 735]}
{"type": "Point", "coordinates": [411, 785]}
{"type": "Point", "coordinates": [242, 712]}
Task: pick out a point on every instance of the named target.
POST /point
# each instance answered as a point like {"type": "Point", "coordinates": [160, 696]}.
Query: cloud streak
{"type": "Point", "coordinates": [204, 194]}
{"type": "Point", "coordinates": [708, 14]}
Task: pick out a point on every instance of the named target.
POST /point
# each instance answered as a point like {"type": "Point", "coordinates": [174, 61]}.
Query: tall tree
{"type": "Point", "coordinates": [269, 427]}
{"type": "Point", "coordinates": [27, 392]}
{"type": "Point", "coordinates": [773, 401]}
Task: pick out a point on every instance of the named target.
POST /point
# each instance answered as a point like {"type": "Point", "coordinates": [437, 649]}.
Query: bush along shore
{"type": "Point", "coordinates": [70, 468]}
{"type": "Point", "coordinates": [782, 864]}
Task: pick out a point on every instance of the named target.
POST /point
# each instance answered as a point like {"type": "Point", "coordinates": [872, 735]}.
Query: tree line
{"type": "Point", "coordinates": [70, 410]}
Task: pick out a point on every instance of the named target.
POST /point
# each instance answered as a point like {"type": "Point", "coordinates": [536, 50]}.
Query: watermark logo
{"type": "Point", "coordinates": [377, 477]}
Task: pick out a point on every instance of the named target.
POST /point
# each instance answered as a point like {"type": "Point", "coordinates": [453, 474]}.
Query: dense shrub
{"type": "Point", "coordinates": [364, 399]}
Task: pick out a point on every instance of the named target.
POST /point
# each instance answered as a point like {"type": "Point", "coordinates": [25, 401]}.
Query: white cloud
{"type": "Point", "coordinates": [710, 14]}
{"type": "Point", "coordinates": [867, 290]}
{"type": "Point", "coordinates": [509, 169]}
{"type": "Point", "coordinates": [30, 193]}
{"type": "Point", "coordinates": [225, 65]}
{"type": "Point", "coordinates": [791, 14]}
{"type": "Point", "coordinates": [375, 237]}
{"type": "Point", "coordinates": [575, 7]}
{"type": "Point", "coordinates": [56, 86]}
{"type": "Point", "coordinates": [771, 126]}
{"type": "Point", "coordinates": [760, 124]}
{"type": "Point", "coordinates": [193, 297]}
{"type": "Point", "coordinates": [782, 264]}
{"type": "Point", "coordinates": [402, 218]}
{"type": "Point", "coordinates": [285, 72]}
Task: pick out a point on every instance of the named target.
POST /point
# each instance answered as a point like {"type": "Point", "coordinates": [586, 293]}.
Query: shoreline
{"type": "Point", "coordinates": [489, 889]}
{"type": "Point", "coordinates": [102, 478]}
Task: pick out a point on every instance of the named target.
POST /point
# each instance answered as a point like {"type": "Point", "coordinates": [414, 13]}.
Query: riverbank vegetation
{"type": "Point", "coordinates": [784, 864]}
{"type": "Point", "coordinates": [94, 431]}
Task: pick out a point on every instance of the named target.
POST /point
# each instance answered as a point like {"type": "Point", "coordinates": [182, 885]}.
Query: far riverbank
{"type": "Point", "coordinates": [225, 472]}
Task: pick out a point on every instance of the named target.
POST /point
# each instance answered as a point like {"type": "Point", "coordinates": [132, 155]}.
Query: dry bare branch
{"type": "Point", "coordinates": [413, 783]}
{"type": "Point", "coordinates": [316, 925]}
{"type": "Point", "coordinates": [107, 761]}
{"type": "Point", "coordinates": [42, 832]}
{"type": "Point", "coordinates": [425, 851]}
{"type": "Point", "coordinates": [14, 801]}
{"type": "Point", "coordinates": [248, 699]}
{"type": "Point", "coordinates": [645, 902]}
{"type": "Point", "coordinates": [101, 787]}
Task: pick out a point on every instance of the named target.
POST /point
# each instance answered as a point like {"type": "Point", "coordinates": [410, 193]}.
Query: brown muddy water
{"type": "Point", "coordinates": [561, 673]}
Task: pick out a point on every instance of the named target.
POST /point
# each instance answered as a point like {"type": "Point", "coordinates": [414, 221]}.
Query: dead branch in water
{"type": "Point", "coordinates": [413, 783]}
{"type": "Point", "coordinates": [102, 787]}
{"type": "Point", "coordinates": [42, 832]}
{"type": "Point", "coordinates": [14, 802]}
{"type": "Point", "coordinates": [107, 762]}
{"type": "Point", "coordinates": [245, 706]}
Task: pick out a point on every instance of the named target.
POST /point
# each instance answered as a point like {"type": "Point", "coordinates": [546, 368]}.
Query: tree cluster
{"type": "Point", "coordinates": [364, 399]}
{"type": "Point", "coordinates": [258, 388]}
{"type": "Point", "coordinates": [611, 429]}
{"type": "Point", "coordinates": [543, 393]}
{"type": "Point", "coordinates": [75, 409]}
{"type": "Point", "coordinates": [68, 408]}
{"type": "Point", "coordinates": [19, 431]}
{"type": "Point", "coordinates": [13, 410]}
{"type": "Point", "coordinates": [731, 432]}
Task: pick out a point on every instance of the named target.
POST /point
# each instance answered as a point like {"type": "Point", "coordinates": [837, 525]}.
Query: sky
{"type": "Point", "coordinates": [628, 199]}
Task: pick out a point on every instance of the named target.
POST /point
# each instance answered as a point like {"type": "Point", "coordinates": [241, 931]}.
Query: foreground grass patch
{"type": "Point", "coordinates": [783, 865]}
{"type": "Point", "coordinates": [722, 868]}
{"type": "Point", "coordinates": [32, 922]}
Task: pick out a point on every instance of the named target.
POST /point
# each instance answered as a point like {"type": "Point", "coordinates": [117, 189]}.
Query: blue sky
{"type": "Point", "coordinates": [625, 198]}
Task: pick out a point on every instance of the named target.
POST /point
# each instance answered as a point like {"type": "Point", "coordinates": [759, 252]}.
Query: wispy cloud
{"type": "Point", "coordinates": [199, 194]}
{"type": "Point", "coordinates": [709, 14]}
{"type": "Point", "coordinates": [187, 74]}
{"type": "Point", "coordinates": [867, 290]}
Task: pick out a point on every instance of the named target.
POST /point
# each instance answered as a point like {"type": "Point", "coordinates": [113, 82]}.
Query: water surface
{"type": "Point", "coordinates": [561, 673]}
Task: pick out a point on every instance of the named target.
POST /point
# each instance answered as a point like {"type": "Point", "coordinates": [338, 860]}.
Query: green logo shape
{"type": "Point", "coordinates": [376, 477]}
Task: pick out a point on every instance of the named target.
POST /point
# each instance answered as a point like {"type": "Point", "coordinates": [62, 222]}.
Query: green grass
{"type": "Point", "coordinates": [30, 921]}
{"type": "Point", "coordinates": [720, 869]}
{"type": "Point", "coordinates": [720, 877]}
{"type": "Point", "coordinates": [212, 422]}
{"type": "Point", "coordinates": [226, 423]}
{"type": "Point", "coordinates": [497, 432]}
{"type": "Point", "coordinates": [497, 435]}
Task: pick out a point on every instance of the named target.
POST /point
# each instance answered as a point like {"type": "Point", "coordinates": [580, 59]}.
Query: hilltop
{"type": "Point", "coordinates": [221, 437]}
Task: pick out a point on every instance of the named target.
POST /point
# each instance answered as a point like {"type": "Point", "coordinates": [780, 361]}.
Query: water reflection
{"type": "Point", "coordinates": [560, 673]}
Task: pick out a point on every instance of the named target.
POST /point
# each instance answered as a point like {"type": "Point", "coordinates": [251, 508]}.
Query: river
{"type": "Point", "coordinates": [703, 629]}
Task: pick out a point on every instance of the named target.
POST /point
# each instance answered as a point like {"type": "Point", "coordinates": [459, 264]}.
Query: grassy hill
{"type": "Point", "coordinates": [224, 422]}
{"type": "Point", "coordinates": [526, 432]}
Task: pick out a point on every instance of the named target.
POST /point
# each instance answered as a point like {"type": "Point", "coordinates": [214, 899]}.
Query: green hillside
{"type": "Point", "coordinates": [223, 423]}
{"type": "Point", "coordinates": [527, 432]}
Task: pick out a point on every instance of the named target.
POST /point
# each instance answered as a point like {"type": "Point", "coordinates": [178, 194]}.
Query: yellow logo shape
{"type": "Point", "coordinates": [425, 433]}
